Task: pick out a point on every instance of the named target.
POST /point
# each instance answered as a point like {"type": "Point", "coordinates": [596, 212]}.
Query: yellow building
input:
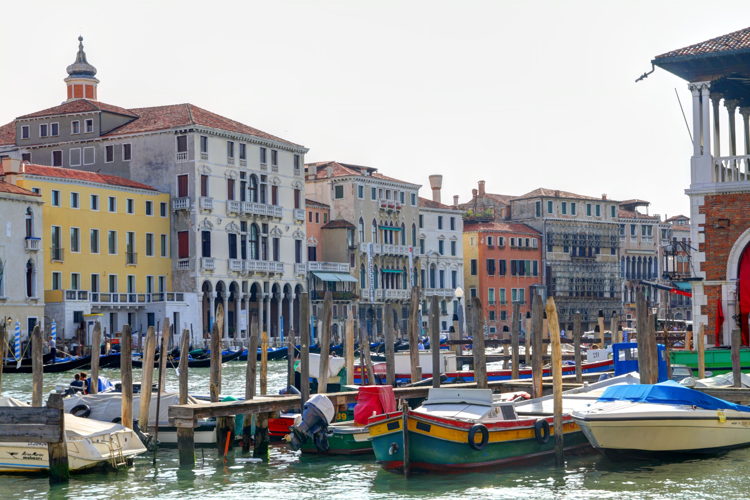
{"type": "Point", "coordinates": [106, 239]}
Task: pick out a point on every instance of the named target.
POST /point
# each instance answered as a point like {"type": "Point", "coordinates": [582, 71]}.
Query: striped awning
{"type": "Point", "coordinates": [335, 277]}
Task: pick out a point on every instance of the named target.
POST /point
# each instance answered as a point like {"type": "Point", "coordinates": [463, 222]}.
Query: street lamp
{"type": "Point", "coordinates": [459, 293]}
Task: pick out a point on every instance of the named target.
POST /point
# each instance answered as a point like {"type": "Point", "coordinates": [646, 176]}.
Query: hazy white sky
{"type": "Point", "coordinates": [523, 94]}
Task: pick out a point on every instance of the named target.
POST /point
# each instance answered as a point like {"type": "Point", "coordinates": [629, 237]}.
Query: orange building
{"type": "Point", "coordinates": [502, 263]}
{"type": "Point", "coordinates": [317, 216]}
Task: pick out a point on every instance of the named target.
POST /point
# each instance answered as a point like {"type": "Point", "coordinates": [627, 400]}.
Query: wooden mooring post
{"type": "Point", "coordinates": [37, 367]}
{"type": "Point", "coordinates": [126, 376]}
{"type": "Point", "coordinates": [164, 353]}
{"type": "Point", "coordinates": [614, 326]}
{"type": "Point", "coordinates": [735, 355]}
{"type": "Point", "coordinates": [600, 323]}
{"type": "Point", "coordinates": [304, 340]}
{"type": "Point", "coordinates": [368, 372]}
{"type": "Point", "coordinates": [557, 389]}
{"type": "Point", "coordinates": [96, 342]}
{"type": "Point", "coordinates": [477, 344]}
{"type": "Point", "coordinates": [413, 332]}
{"type": "Point", "coordinates": [577, 334]}
{"type": "Point", "coordinates": [349, 346]}
{"type": "Point", "coordinates": [514, 333]}
{"type": "Point", "coordinates": [644, 331]}
{"type": "Point", "coordinates": [390, 360]}
{"type": "Point", "coordinates": [435, 340]}
{"type": "Point", "coordinates": [262, 439]}
{"type": "Point", "coordinates": [250, 377]}
{"type": "Point", "coordinates": [325, 343]}
{"type": "Point", "coordinates": [182, 366]}
{"type": "Point", "coordinates": [527, 339]}
{"type": "Point", "coordinates": [147, 379]}
{"type": "Point", "coordinates": [3, 350]}
{"type": "Point", "coordinates": [537, 324]}
{"type": "Point", "coordinates": [701, 346]}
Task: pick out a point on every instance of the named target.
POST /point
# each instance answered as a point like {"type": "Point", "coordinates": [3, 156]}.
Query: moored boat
{"type": "Point", "coordinates": [61, 365]}
{"type": "Point", "coordinates": [664, 418]}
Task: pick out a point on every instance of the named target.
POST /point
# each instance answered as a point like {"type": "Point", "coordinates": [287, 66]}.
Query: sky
{"type": "Point", "coordinates": [522, 94]}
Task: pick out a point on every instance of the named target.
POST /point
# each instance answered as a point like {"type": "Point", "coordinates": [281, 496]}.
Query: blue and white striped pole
{"type": "Point", "coordinates": [54, 331]}
{"type": "Point", "coordinates": [18, 343]}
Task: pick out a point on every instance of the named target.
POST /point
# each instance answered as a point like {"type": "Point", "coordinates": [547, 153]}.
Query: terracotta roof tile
{"type": "Point", "coordinates": [313, 203]}
{"type": "Point", "coordinates": [320, 169]}
{"type": "Point", "coordinates": [737, 40]}
{"type": "Point", "coordinates": [337, 224]}
{"type": "Point", "coordinates": [82, 175]}
{"type": "Point", "coordinates": [80, 106]}
{"type": "Point", "coordinates": [6, 187]}
{"type": "Point", "coordinates": [427, 203]}
{"type": "Point", "coordinates": [632, 214]}
{"type": "Point", "coordinates": [8, 133]}
{"type": "Point", "coordinates": [509, 227]}
{"type": "Point", "coordinates": [555, 193]}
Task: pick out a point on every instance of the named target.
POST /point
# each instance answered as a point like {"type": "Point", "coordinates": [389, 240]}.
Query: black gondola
{"type": "Point", "coordinates": [62, 366]}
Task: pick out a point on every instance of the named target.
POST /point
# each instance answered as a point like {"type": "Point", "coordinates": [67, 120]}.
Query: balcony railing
{"type": "Point", "coordinates": [332, 267]}
{"type": "Point", "coordinates": [391, 294]}
{"type": "Point", "coordinates": [56, 254]}
{"type": "Point", "coordinates": [394, 249]}
{"type": "Point", "coordinates": [104, 298]}
{"type": "Point", "coordinates": [230, 160]}
{"type": "Point", "coordinates": [235, 265]}
{"type": "Point", "coordinates": [263, 266]}
{"type": "Point", "coordinates": [335, 295]}
{"type": "Point", "coordinates": [131, 258]}
{"type": "Point", "coordinates": [208, 263]}
{"type": "Point", "coordinates": [182, 156]}
{"type": "Point", "coordinates": [389, 204]}
{"type": "Point", "coordinates": [234, 207]}
{"type": "Point", "coordinates": [440, 292]}
{"type": "Point", "coordinates": [299, 214]}
{"type": "Point", "coordinates": [206, 203]}
{"type": "Point", "coordinates": [243, 162]}
{"type": "Point", "coordinates": [252, 208]}
{"type": "Point", "coordinates": [32, 244]}
{"type": "Point", "coordinates": [204, 156]}
{"type": "Point", "coordinates": [299, 268]}
{"type": "Point", "coordinates": [731, 169]}
{"type": "Point", "coordinates": [184, 265]}
{"type": "Point", "coordinates": [181, 203]}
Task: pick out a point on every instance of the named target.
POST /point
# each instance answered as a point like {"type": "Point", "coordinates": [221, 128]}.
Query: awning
{"type": "Point", "coordinates": [335, 277]}
{"type": "Point", "coordinates": [392, 270]}
{"type": "Point", "coordinates": [390, 228]}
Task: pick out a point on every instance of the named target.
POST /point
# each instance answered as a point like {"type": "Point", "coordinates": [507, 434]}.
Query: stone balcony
{"type": "Point", "coordinates": [391, 294]}
{"type": "Point", "coordinates": [263, 266]}
{"type": "Point", "coordinates": [182, 203]}
{"type": "Point", "coordinates": [249, 208]}
{"type": "Point", "coordinates": [440, 292]}
{"type": "Point", "coordinates": [208, 263]}
{"type": "Point", "coordinates": [32, 244]}
{"type": "Point", "coordinates": [206, 203]}
{"type": "Point", "coordinates": [331, 267]}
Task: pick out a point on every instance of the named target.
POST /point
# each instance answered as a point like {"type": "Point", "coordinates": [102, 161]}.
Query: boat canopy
{"type": "Point", "coordinates": [668, 392]}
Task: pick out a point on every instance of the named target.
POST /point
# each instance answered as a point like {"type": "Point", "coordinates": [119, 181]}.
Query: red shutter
{"type": "Point", "coordinates": [182, 186]}
{"type": "Point", "coordinates": [183, 244]}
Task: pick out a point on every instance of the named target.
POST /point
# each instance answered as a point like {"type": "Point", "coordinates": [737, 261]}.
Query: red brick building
{"type": "Point", "coordinates": [718, 72]}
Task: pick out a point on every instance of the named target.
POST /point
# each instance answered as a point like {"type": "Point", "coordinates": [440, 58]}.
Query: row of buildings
{"type": "Point", "coordinates": [133, 215]}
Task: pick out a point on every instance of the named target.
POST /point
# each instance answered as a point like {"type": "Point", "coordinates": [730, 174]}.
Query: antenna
{"type": "Point", "coordinates": [683, 115]}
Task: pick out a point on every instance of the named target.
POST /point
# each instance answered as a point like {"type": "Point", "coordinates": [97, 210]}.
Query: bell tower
{"type": "Point", "coordinates": [81, 81]}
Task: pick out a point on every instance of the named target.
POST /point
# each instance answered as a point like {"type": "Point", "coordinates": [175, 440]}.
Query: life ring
{"type": "Point", "coordinates": [117, 420]}
{"type": "Point", "coordinates": [81, 410]}
{"type": "Point", "coordinates": [473, 432]}
{"type": "Point", "coordinates": [541, 430]}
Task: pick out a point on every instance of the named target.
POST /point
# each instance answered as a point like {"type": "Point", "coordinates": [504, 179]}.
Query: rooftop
{"type": "Point", "coordinates": [80, 175]}
{"type": "Point", "coordinates": [508, 227]}
{"type": "Point", "coordinates": [556, 193]}
{"type": "Point", "coordinates": [427, 203]}
{"type": "Point", "coordinates": [313, 203]}
{"type": "Point", "coordinates": [329, 169]}
{"type": "Point", "coordinates": [731, 42]}
{"type": "Point", "coordinates": [338, 224]}
{"type": "Point", "coordinates": [7, 187]}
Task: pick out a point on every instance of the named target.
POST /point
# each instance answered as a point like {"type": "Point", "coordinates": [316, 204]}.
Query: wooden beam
{"type": "Point", "coordinates": [37, 367]}
{"type": "Point", "coordinates": [477, 344]}
{"type": "Point", "coordinates": [537, 324]}
{"type": "Point", "coordinates": [577, 334]}
{"type": "Point", "coordinates": [263, 363]}
{"type": "Point", "coordinates": [701, 351]}
{"type": "Point", "coordinates": [147, 379]}
{"type": "Point", "coordinates": [215, 369]}
{"type": "Point", "coordinates": [413, 332]}
{"type": "Point", "coordinates": [556, 369]}
{"type": "Point", "coordinates": [514, 338]}
{"type": "Point", "coordinates": [390, 361]}
{"type": "Point", "coordinates": [183, 366]}
{"type": "Point", "coordinates": [435, 340]}
{"type": "Point", "coordinates": [643, 330]}
{"type": "Point", "coordinates": [3, 350]}
{"type": "Point", "coordinates": [164, 353]}
{"type": "Point", "coordinates": [126, 376]}
{"type": "Point", "coordinates": [250, 376]}
{"type": "Point", "coordinates": [304, 340]}
{"type": "Point", "coordinates": [96, 342]}
{"type": "Point", "coordinates": [57, 451]}
{"type": "Point", "coordinates": [735, 356]}
{"type": "Point", "coordinates": [325, 343]}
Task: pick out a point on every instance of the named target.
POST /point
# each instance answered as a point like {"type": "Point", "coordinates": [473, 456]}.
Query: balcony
{"type": "Point", "coordinates": [56, 254]}
{"type": "Point", "coordinates": [111, 299]}
{"type": "Point", "coordinates": [252, 208]}
{"type": "Point", "coordinates": [731, 169]}
{"type": "Point", "coordinates": [274, 168]}
{"type": "Point", "coordinates": [440, 292]}
{"type": "Point", "coordinates": [184, 265]}
{"type": "Point", "coordinates": [208, 264]}
{"type": "Point", "coordinates": [204, 156]}
{"type": "Point", "coordinates": [230, 160]}
{"type": "Point", "coordinates": [394, 249]}
{"type": "Point", "coordinates": [263, 266]}
{"type": "Point", "coordinates": [131, 258]}
{"type": "Point", "coordinates": [243, 162]}
{"type": "Point", "coordinates": [235, 265]}
{"type": "Point", "coordinates": [234, 207]}
{"type": "Point", "coordinates": [389, 205]}
{"type": "Point", "coordinates": [299, 268]}
{"type": "Point", "coordinates": [299, 214]}
{"type": "Point", "coordinates": [335, 295]}
{"type": "Point", "coordinates": [182, 156]}
{"type": "Point", "coordinates": [391, 294]}
{"type": "Point", "coordinates": [263, 166]}
{"type": "Point", "coordinates": [32, 244]}
{"type": "Point", "coordinates": [330, 267]}
{"type": "Point", "coordinates": [206, 203]}
{"type": "Point", "coordinates": [182, 203]}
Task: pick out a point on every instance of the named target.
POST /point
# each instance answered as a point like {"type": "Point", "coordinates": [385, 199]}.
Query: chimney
{"type": "Point", "coordinates": [436, 182]}
{"type": "Point", "coordinates": [604, 196]}
{"type": "Point", "coordinates": [329, 172]}
{"type": "Point", "coordinates": [557, 193]}
{"type": "Point", "coordinates": [481, 188]}
{"type": "Point", "coordinates": [455, 200]}
{"type": "Point", "coordinates": [12, 168]}
{"type": "Point", "coordinates": [473, 194]}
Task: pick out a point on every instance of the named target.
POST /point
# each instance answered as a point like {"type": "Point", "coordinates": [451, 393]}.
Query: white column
{"type": "Point", "coordinates": [715, 99]}
{"type": "Point", "coordinates": [745, 113]}
{"type": "Point", "coordinates": [731, 105]}
{"type": "Point", "coordinates": [695, 89]}
{"type": "Point", "coordinates": [267, 313]}
{"type": "Point", "coordinates": [225, 304]}
{"type": "Point", "coordinates": [706, 118]}
{"type": "Point", "coordinates": [290, 328]}
{"type": "Point", "coordinates": [279, 311]}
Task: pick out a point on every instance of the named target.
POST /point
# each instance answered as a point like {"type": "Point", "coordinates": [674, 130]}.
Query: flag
{"type": "Point", "coordinates": [719, 321]}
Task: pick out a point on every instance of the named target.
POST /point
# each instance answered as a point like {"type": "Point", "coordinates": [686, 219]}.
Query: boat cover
{"type": "Point", "coordinates": [108, 406]}
{"type": "Point", "coordinates": [670, 393]}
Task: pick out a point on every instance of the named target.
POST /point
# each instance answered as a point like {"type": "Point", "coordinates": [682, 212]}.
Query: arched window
{"type": "Point", "coordinates": [374, 231]}
{"type": "Point", "coordinates": [361, 230]}
{"type": "Point", "coordinates": [29, 223]}
{"type": "Point", "coordinates": [432, 276]}
{"type": "Point", "coordinates": [253, 187]}
{"type": "Point", "coordinates": [375, 277]}
{"type": "Point", "coordinates": [30, 278]}
{"type": "Point", "coordinates": [413, 235]}
{"type": "Point", "coordinates": [403, 234]}
{"type": "Point", "coordinates": [254, 242]}
{"type": "Point", "coordinates": [362, 279]}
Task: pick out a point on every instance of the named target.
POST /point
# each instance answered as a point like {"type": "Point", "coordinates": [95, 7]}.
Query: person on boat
{"type": "Point", "coordinates": [86, 383]}
{"type": "Point", "coordinates": [77, 383]}
{"type": "Point", "coordinates": [420, 346]}
{"type": "Point", "coordinates": [53, 349]}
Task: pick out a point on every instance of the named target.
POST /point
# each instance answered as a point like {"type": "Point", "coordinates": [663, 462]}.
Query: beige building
{"type": "Point", "coordinates": [21, 258]}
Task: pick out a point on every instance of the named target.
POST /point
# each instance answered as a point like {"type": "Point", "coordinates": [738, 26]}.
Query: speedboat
{"type": "Point", "coordinates": [90, 444]}
{"type": "Point", "coordinates": [664, 418]}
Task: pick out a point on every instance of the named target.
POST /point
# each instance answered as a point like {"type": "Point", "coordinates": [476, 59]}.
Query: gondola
{"type": "Point", "coordinates": [60, 366]}
{"type": "Point", "coordinates": [111, 360]}
{"type": "Point", "coordinates": [274, 354]}
{"type": "Point", "coordinates": [193, 362]}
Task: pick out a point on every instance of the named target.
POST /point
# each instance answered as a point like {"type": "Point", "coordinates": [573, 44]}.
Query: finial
{"type": "Point", "coordinates": [81, 65]}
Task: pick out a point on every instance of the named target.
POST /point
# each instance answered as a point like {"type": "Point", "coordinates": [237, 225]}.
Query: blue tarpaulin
{"type": "Point", "coordinates": [668, 392]}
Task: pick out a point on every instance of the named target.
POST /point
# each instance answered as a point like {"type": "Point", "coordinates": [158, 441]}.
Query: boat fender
{"type": "Point", "coordinates": [472, 434]}
{"type": "Point", "coordinates": [82, 410]}
{"type": "Point", "coordinates": [541, 430]}
{"type": "Point", "coordinates": [393, 449]}
{"type": "Point", "coordinates": [117, 420]}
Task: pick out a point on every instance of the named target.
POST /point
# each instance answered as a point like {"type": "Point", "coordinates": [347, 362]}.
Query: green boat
{"type": "Point", "coordinates": [344, 438]}
{"type": "Point", "coordinates": [718, 361]}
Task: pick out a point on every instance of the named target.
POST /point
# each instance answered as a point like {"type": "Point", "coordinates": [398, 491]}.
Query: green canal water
{"type": "Point", "coordinates": [288, 475]}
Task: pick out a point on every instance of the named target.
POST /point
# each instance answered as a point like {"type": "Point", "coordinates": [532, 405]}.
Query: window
{"type": "Point", "coordinates": [564, 207]}
{"type": "Point", "coordinates": [54, 129]}
{"type": "Point", "coordinates": [588, 209]}
{"type": "Point", "coordinates": [75, 239]}
{"type": "Point", "coordinates": [230, 149]}
{"type": "Point", "coordinates": [112, 242]}
{"type": "Point", "coordinates": [89, 156]}
{"type": "Point", "coordinates": [633, 230]}
{"type": "Point", "coordinates": [421, 221]}
{"type": "Point", "coordinates": [94, 202]}
{"type": "Point", "coordinates": [491, 296]}
{"type": "Point", "coordinates": [56, 280]}
{"type": "Point", "coordinates": [490, 267]}
{"type": "Point", "coordinates": [441, 247]}
{"type": "Point", "coordinates": [472, 292]}
{"type": "Point", "coordinates": [112, 204]}
{"type": "Point", "coordinates": [127, 152]}
{"type": "Point", "coordinates": [598, 210]}
{"type": "Point", "coordinates": [73, 200]}
{"type": "Point", "coordinates": [130, 248]}
{"type": "Point", "coordinates": [149, 245]}
{"type": "Point", "coordinates": [204, 144]}
{"type": "Point", "coordinates": [112, 283]}
{"type": "Point", "coordinates": [473, 267]}
{"type": "Point", "coordinates": [89, 125]}
{"type": "Point", "coordinates": [183, 245]}
{"type": "Point", "coordinates": [162, 209]}
{"type": "Point", "coordinates": [501, 241]}
{"type": "Point", "coordinates": [421, 246]}
{"type": "Point", "coordinates": [43, 130]}
{"type": "Point", "coordinates": [490, 241]}
{"type": "Point", "coordinates": [612, 211]}
{"type": "Point", "coordinates": [549, 207]}
{"type": "Point", "coordinates": [453, 248]}
{"type": "Point", "coordinates": [501, 293]}
{"type": "Point", "coordinates": [130, 205]}
{"type": "Point", "coordinates": [26, 157]}
{"type": "Point", "coordinates": [149, 208]}
{"type": "Point", "coordinates": [538, 208]}
{"type": "Point", "coordinates": [502, 267]}
{"type": "Point", "coordinates": [263, 156]}
{"type": "Point", "coordinates": [57, 156]}
{"type": "Point", "coordinates": [109, 153]}
{"type": "Point", "coordinates": [204, 185]}
{"type": "Point", "coordinates": [163, 245]}
{"type": "Point", "coordinates": [572, 208]}
{"type": "Point", "coordinates": [182, 146]}
{"type": "Point", "coordinates": [296, 163]}
{"type": "Point", "coordinates": [94, 240]}
{"type": "Point", "coordinates": [413, 199]}
{"type": "Point", "coordinates": [440, 222]}
{"type": "Point", "coordinates": [75, 127]}
{"type": "Point", "coordinates": [205, 243]}
{"type": "Point", "coordinates": [360, 192]}
{"type": "Point", "coordinates": [454, 279]}
{"type": "Point", "coordinates": [56, 243]}
{"type": "Point", "coordinates": [276, 247]}
{"type": "Point", "coordinates": [338, 192]}
{"type": "Point", "coordinates": [75, 281]}
{"type": "Point", "coordinates": [25, 132]}
{"type": "Point", "coordinates": [274, 157]}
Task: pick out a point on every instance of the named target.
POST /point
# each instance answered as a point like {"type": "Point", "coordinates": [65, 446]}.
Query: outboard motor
{"type": "Point", "coordinates": [317, 413]}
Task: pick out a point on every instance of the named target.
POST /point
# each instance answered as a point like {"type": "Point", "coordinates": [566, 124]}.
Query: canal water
{"type": "Point", "coordinates": [288, 475]}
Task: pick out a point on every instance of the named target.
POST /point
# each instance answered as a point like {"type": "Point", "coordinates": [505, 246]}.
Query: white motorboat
{"type": "Point", "coordinates": [90, 444]}
{"type": "Point", "coordinates": [108, 408]}
{"type": "Point", "coordinates": [663, 418]}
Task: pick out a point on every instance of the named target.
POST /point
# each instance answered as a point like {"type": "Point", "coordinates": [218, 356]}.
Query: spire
{"type": "Point", "coordinates": [81, 81]}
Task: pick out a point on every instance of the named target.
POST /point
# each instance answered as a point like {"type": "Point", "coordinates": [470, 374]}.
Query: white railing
{"type": "Point", "coordinates": [299, 268]}
{"type": "Point", "coordinates": [440, 292]}
{"type": "Point", "coordinates": [184, 265]}
{"type": "Point", "coordinates": [243, 163]}
{"type": "Point", "coordinates": [299, 214]}
{"type": "Point", "coordinates": [206, 203]}
{"type": "Point", "coordinates": [182, 156]}
{"type": "Point", "coordinates": [252, 208]}
{"type": "Point", "coordinates": [332, 267]}
{"type": "Point", "coordinates": [236, 266]}
{"type": "Point", "coordinates": [389, 204]}
{"type": "Point", "coordinates": [395, 249]}
{"type": "Point", "coordinates": [234, 207]}
{"type": "Point", "coordinates": [731, 169]}
{"type": "Point", "coordinates": [33, 244]}
{"type": "Point", "coordinates": [263, 266]}
{"type": "Point", "coordinates": [102, 298]}
{"type": "Point", "coordinates": [204, 156]}
{"type": "Point", "coordinates": [181, 203]}
{"type": "Point", "coordinates": [391, 294]}
{"type": "Point", "coordinates": [208, 263]}
{"type": "Point", "coordinates": [230, 160]}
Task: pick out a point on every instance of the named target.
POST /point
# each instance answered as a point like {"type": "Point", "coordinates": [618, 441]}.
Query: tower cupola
{"type": "Point", "coordinates": [81, 80]}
